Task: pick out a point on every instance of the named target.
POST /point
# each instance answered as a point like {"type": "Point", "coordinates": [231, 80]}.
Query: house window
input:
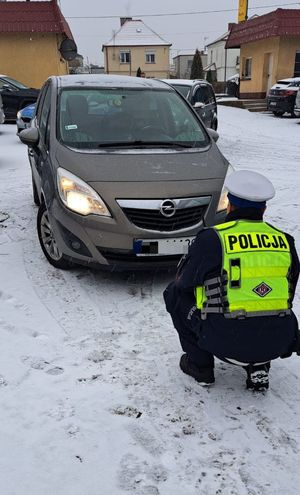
{"type": "Point", "coordinates": [247, 68]}
{"type": "Point", "coordinates": [125, 57]}
{"type": "Point", "coordinates": [297, 65]}
{"type": "Point", "coordinates": [150, 58]}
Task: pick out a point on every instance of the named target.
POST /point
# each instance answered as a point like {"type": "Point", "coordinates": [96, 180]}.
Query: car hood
{"type": "Point", "coordinates": [28, 111]}
{"type": "Point", "coordinates": [143, 165]}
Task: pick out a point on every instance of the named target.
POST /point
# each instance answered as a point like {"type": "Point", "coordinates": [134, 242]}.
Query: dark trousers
{"type": "Point", "coordinates": [186, 320]}
{"type": "Point", "coordinates": [249, 340]}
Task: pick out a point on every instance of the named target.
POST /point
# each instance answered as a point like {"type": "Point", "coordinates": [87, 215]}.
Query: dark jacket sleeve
{"type": "Point", "coordinates": [295, 265]}
{"type": "Point", "coordinates": [204, 260]}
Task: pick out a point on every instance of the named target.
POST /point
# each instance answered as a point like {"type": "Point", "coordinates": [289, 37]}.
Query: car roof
{"type": "Point", "coordinates": [184, 82]}
{"type": "Point", "coordinates": [108, 80]}
{"type": "Point", "coordinates": [289, 80]}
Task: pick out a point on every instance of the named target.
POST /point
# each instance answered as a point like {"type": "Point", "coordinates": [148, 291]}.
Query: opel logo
{"type": "Point", "coordinates": [167, 208]}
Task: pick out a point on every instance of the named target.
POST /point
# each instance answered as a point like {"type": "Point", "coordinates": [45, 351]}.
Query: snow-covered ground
{"type": "Point", "coordinates": [92, 401]}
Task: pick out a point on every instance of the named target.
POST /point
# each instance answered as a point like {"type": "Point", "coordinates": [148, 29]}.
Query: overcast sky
{"type": "Point", "coordinates": [185, 32]}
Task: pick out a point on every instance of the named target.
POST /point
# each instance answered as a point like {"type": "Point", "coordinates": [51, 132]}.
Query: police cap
{"type": "Point", "coordinates": [249, 186]}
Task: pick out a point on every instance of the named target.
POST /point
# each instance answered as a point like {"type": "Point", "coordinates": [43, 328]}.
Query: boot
{"type": "Point", "coordinates": [205, 376]}
{"type": "Point", "coordinates": [257, 376]}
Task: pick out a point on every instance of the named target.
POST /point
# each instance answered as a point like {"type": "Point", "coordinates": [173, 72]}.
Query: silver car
{"type": "Point", "coordinates": [2, 116]}
{"type": "Point", "coordinates": [124, 172]}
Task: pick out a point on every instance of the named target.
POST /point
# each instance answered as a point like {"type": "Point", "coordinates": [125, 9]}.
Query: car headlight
{"type": "Point", "coordinates": [78, 196]}
{"type": "Point", "coordinates": [19, 115]}
{"type": "Point", "coordinates": [223, 201]}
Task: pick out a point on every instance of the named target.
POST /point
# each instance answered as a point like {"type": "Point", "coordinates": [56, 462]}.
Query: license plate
{"type": "Point", "coordinates": [273, 103]}
{"type": "Point", "coordinates": [162, 247]}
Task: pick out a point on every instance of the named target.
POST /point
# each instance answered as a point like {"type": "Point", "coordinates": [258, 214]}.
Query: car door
{"type": "Point", "coordinates": [39, 155]}
{"type": "Point", "coordinates": [9, 95]}
{"type": "Point", "coordinates": [200, 102]}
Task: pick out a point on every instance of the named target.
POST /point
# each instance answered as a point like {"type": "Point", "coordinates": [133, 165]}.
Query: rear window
{"type": "Point", "coordinates": [96, 117]}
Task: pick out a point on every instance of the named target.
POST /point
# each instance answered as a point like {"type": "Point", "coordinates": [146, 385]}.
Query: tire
{"type": "Point", "coordinates": [47, 241]}
{"type": "Point", "coordinates": [278, 114]}
{"type": "Point", "coordinates": [35, 195]}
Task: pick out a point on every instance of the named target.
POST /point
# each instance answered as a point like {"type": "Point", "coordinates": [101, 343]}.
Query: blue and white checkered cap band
{"type": "Point", "coordinates": [245, 203]}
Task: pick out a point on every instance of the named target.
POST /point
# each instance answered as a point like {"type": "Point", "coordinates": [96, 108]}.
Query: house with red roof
{"type": "Point", "coordinates": [32, 35]}
{"type": "Point", "coordinates": [270, 50]}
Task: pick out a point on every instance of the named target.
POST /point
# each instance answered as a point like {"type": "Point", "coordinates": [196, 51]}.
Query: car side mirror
{"type": "Point", "coordinates": [199, 104]}
{"type": "Point", "coordinates": [30, 136]}
{"type": "Point", "coordinates": [213, 134]}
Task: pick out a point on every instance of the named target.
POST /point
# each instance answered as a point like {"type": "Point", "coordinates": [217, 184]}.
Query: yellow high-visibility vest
{"type": "Point", "coordinates": [255, 270]}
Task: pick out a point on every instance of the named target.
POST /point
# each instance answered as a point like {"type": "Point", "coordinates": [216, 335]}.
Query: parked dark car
{"type": "Point", "coordinates": [281, 97]}
{"type": "Point", "coordinates": [201, 96]}
{"type": "Point", "coordinates": [2, 115]}
{"type": "Point", "coordinates": [15, 96]}
{"type": "Point", "coordinates": [24, 117]}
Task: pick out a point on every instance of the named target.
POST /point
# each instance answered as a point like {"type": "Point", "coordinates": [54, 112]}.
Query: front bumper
{"type": "Point", "coordinates": [105, 242]}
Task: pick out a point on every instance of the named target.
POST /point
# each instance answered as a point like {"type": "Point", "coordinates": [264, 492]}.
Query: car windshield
{"type": "Point", "coordinates": [184, 90]}
{"type": "Point", "coordinates": [19, 85]}
{"type": "Point", "coordinates": [121, 117]}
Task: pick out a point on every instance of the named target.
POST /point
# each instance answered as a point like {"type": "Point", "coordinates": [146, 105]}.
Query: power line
{"type": "Point", "coordinates": [181, 13]}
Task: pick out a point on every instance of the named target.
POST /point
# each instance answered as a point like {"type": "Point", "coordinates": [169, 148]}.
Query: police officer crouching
{"type": "Point", "coordinates": [233, 292]}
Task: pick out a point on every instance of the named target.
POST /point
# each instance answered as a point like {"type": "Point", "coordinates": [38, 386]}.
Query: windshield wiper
{"type": "Point", "coordinates": [139, 143]}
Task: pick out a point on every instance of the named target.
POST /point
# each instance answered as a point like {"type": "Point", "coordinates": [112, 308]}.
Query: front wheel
{"type": "Point", "coordinates": [278, 114]}
{"type": "Point", "coordinates": [47, 240]}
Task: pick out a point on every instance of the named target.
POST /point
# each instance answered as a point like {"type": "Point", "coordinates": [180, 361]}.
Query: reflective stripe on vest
{"type": "Point", "coordinates": [256, 263]}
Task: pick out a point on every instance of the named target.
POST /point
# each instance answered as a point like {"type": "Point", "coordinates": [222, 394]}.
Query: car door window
{"type": "Point", "coordinates": [211, 95]}
{"type": "Point", "coordinates": [5, 85]}
{"type": "Point", "coordinates": [43, 116]}
{"type": "Point", "coordinates": [40, 101]}
{"type": "Point", "coordinates": [201, 95]}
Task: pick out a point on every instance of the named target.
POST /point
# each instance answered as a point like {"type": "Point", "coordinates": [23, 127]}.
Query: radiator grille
{"type": "Point", "coordinates": [154, 220]}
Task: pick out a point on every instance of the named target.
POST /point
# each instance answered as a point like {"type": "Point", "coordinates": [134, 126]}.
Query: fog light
{"type": "Point", "coordinates": [75, 245]}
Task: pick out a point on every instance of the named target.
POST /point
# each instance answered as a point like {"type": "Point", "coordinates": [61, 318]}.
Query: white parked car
{"type": "Point", "coordinates": [2, 116]}
{"type": "Point", "coordinates": [297, 104]}
{"type": "Point", "coordinates": [281, 96]}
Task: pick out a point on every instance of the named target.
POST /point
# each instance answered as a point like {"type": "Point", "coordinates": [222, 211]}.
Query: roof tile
{"type": "Point", "coordinates": [280, 22]}
{"type": "Point", "coordinates": [34, 16]}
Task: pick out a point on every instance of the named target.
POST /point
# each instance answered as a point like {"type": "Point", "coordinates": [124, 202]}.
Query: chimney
{"type": "Point", "coordinates": [231, 25]}
{"type": "Point", "coordinates": [125, 19]}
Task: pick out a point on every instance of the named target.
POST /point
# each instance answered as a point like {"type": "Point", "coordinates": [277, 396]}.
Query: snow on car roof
{"type": "Point", "coordinates": [183, 82]}
{"type": "Point", "coordinates": [108, 80]}
{"type": "Point", "coordinates": [288, 80]}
